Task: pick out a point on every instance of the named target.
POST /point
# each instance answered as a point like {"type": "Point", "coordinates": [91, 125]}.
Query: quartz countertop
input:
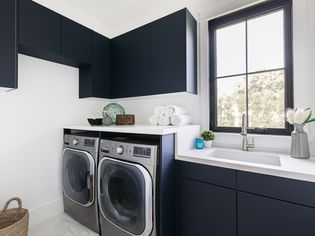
{"type": "Point", "coordinates": [134, 129]}
{"type": "Point", "coordinates": [290, 167]}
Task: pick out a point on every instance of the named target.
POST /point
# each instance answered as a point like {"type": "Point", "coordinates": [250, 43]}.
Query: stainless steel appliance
{"type": "Point", "coordinates": [126, 189]}
{"type": "Point", "coordinates": [79, 163]}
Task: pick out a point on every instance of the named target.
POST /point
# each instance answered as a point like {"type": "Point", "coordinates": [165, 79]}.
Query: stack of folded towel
{"type": "Point", "coordinates": [170, 115]}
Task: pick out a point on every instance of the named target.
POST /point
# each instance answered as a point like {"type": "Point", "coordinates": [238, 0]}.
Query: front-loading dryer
{"type": "Point", "coordinates": [126, 188]}
{"type": "Point", "coordinates": [79, 179]}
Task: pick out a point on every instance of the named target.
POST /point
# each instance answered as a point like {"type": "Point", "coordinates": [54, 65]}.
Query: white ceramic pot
{"type": "Point", "coordinates": [208, 144]}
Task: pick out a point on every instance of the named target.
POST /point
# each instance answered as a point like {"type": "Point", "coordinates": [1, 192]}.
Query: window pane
{"type": "Point", "coordinates": [266, 42]}
{"type": "Point", "coordinates": [231, 54]}
{"type": "Point", "coordinates": [266, 100]}
{"type": "Point", "coordinates": [231, 101]}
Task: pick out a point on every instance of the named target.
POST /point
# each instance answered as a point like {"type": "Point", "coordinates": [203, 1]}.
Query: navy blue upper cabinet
{"type": "Point", "coordinates": [76, 41]}
{"type": "Point", "coordinates": [174, 53]}
{"type": "Point", "coordinates": [157, 58]}
{"type": "Point", "coordinates": [131, 63]}
{"type": "Point", "coordinates": [39, 29]}
{"type": "Point", "coordinates": [8, 44]}
{"type": "Point", "coordinates": [95, 78]}
{"type": "Point", "coordinates": [261, 216]}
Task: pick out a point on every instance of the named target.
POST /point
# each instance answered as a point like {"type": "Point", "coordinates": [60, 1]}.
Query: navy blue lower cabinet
{"type": "Point", "coordinates": [262, 216]}
{"type": "Point", "coordinates": [206, 210]}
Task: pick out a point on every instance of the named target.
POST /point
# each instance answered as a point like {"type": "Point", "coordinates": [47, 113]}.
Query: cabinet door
{"type": "Point", "coordinates": [8, 45]}
{"type": "Point", "coordinates": [95, 78]}
{"type": "Point", "coordinates": [169, 54]}
{"type": "Point", "coordinates": [174, 53]}
{"type": "Point", "coordinates": [261, 216]}
{"type": "Point", "coordinates": [119, 78]}
{"type": "Point", "coordinates": [206, 209]}
{"type": "Point", "coordinates": [132, 63]}
{"type": "Point", "coordinates": [39, 27]}
{"type": "Point", "coordinates": [76, 41]}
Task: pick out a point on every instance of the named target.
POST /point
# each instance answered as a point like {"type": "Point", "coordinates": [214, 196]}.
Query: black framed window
{"type": "Point", "coordinates": [251, 68]}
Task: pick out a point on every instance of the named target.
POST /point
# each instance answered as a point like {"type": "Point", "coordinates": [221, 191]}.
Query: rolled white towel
{"type": "Point", "coordinates": [174, 110]}
{"type": "Point", "coordinates": [159, 111]}
{"type": "Point", "coordinates": [164, 120]}
{"type": "Point", "coordinates": [154, 120]}
{"type": "Point", "coordinates": [181, 119]}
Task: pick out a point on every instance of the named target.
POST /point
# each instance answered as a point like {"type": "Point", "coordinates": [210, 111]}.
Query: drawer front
{"type": "Point", "coordinates": [208, 174]}
{"type": "Point", "coordinates": [296, 191]}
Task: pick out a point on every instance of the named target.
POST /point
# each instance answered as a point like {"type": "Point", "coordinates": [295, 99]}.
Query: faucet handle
{"type": "Point", "coordinates": [251, 144]}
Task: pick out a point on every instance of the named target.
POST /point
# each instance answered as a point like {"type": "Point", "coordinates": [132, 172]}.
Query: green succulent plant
{"type": "Point", "coordinates": [207, 135]}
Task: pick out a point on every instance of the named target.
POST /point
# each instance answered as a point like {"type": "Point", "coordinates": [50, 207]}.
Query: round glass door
{"type": "Point", "coordinates": [77, 176]}
{"type": "Point", "coordinates": [125, 191]}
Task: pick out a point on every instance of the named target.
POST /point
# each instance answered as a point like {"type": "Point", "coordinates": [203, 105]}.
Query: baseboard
{"type": "Point", "coordinates": [45, 211]}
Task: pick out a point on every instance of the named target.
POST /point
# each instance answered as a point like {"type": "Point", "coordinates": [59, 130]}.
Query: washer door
{"type": "Point", "coordinates": [78, 176]}
{"type": "Point", "coordinates": [125, 196]}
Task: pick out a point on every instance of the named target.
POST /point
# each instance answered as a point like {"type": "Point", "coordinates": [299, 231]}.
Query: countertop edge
{"type": "Point", "coordinates": [248, 168]}
{"type": "Point", "coordinates": [136, 129]}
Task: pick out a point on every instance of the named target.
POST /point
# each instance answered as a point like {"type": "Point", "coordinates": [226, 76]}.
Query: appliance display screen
{"type": "Point", "coordinates": [89, 142]}
{"type": "Point", "coordinates": [142, 152]}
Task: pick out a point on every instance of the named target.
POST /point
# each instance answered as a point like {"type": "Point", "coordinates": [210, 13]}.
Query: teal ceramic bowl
{"type": "Point", "coordinates": [112, 110]}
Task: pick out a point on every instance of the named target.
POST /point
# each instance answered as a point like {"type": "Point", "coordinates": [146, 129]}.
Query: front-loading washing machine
{"type": "Point", "coordinates": [126, 188]}
{"type": "Point", "coordinates": [79, 179]}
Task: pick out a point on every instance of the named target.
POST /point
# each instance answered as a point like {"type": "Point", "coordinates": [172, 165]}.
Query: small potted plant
{"type": "Point", "coordinates": [207, 136]}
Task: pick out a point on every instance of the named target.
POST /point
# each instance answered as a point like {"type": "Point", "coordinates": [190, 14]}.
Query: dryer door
{"type": "Point", "coordinates": [125, 196]}
{"type": "Point", "coordinates": [78, 176]}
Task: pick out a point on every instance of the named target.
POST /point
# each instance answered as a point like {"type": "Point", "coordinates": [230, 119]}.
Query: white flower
{"type": "Point", "coordinates": [300, 116]}
{"type": "Point", "coordinates": [290, 116]}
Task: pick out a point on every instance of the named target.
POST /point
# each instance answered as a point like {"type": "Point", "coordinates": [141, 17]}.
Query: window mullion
{"type": "Point", "coordinates": [246, 77]}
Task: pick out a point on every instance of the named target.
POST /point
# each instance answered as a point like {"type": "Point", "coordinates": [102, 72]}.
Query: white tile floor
{"type": "Point", "coordinates": [61, 225]}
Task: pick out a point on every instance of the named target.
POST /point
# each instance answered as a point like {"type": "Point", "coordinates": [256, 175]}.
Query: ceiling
{"type": "Point", "coordinates": [114, 17]}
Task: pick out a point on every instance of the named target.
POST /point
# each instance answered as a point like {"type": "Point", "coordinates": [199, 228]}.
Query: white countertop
{"type": "Point", "coordinates": [133, 129]}
{"type": "Point", "coordinates": [290, 167]}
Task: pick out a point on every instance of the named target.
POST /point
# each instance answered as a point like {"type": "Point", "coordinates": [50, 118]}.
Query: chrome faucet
{"type": "Point", "coordinates": [245, 144]}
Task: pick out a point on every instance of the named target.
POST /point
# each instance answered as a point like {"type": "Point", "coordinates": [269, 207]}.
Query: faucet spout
{"type": "Point", "coordinates": [244, 124]}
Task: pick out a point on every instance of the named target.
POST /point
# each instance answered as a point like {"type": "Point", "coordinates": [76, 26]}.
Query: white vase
{"type": "Point", "coordinates": [208, 144]}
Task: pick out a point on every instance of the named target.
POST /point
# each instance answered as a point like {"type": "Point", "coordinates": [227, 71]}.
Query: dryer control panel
{"type": "Point", "coordinates": [141, 153]}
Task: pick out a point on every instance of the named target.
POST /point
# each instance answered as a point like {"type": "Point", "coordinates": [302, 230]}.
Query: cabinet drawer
{"type": "Point", "coordinates": [208, 174]}
{"type": "Point", "coordinates": [296, 191]}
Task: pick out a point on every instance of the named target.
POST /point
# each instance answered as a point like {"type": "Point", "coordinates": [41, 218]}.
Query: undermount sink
{"type": "Point", "coordinates": [237, 155]}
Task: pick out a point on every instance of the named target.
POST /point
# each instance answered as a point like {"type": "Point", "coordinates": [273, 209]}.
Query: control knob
{"type": "Point", "coordinates": [120, 150]}
{"type": "Point", "coordinates": [75, 141]}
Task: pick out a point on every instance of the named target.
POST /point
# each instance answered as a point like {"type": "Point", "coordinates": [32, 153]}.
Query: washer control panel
{"type": "Point", "coordinates": [81, 142]}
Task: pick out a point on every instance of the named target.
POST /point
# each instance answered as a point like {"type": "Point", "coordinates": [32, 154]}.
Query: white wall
{"type": "Point", "coordinates": [304, 73]}
{"type": "Point", "coordinates": [304, 58]}
{"type": "Point", "coordinates": [143, 107]}
{"type": "Point", "coordinates": [31, 124]}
